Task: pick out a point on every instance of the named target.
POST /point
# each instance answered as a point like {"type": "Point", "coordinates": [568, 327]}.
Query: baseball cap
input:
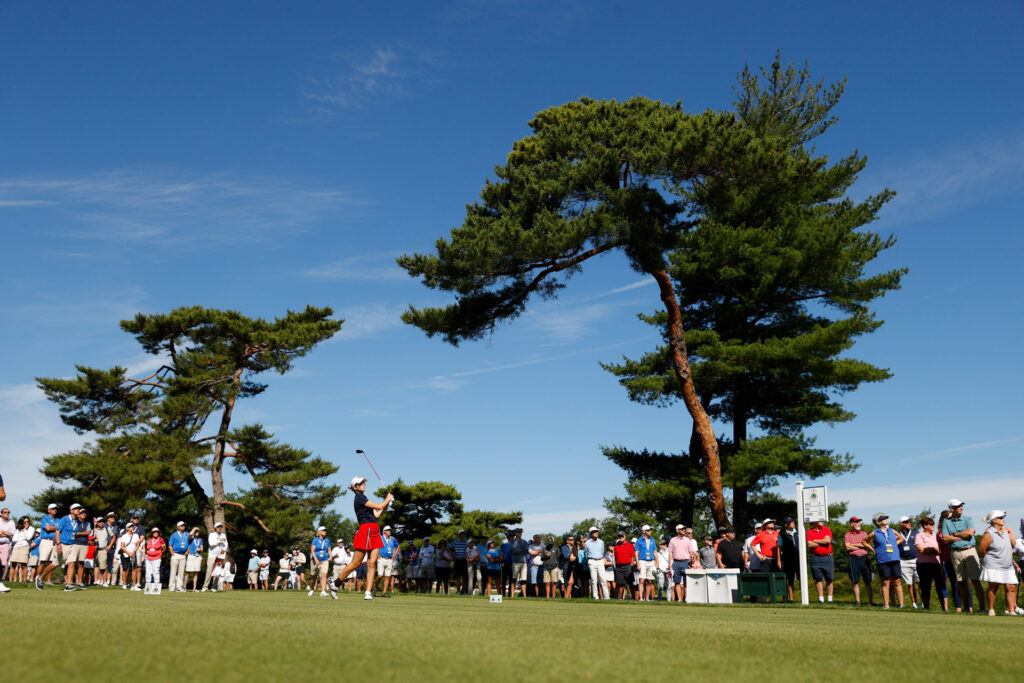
{"type": "Point", "coordinates": [426, 538]}
{"type": "Point", "coordinates": [387, 528]}
{"type": "Point", "coordinates": [253, 552]}
{"type": "Point", "coordinates": [217, 525]}
{"type": "Point", "coordinates": [622, 534]}
{"type": "Point", "coordinates": [878, 517]}
{"type": "Point", "coordinates": [75, 506]}
{"type": "Point", "coordinates": [730, 530]}
{"type": "Point", "coordinates": [592, 530]}
{"type": "Point", "coordinates": [51, 506]}
{"type": "Point", "coordinates": [787, 520]}
{"type": "Point", "coordinates": [180, 524]}
{"type": "Point", "coordinates": [129, 525]}
{"type": "Point", "coordinates": [323, 528]}
{"type": "Point", "coordinates": [766, 520]}
{"type": "Point", "coordinates": [955, 502]}
{"type": "Point", "coordinates": [855, 519]}
{"type": "Point", "coordinates": [679, 526]}
{"type": "Point", "coordinates": [356, 481]}
{"type": "Point", "coordinates": [757, 525]}
{"type": "Point", "coordinates": [904, 518]}
{"type": "Point", "coordinates": [341, 541]}
{"type": "Point", "coordinates": [461, 531]}
{"type": "Point", "coordinates": [995, 514]}
{"type": "Point", "coordinates": [645, 527]}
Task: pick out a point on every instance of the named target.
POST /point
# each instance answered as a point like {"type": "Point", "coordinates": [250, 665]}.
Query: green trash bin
{"type": "Point", "coordinates": [763, 585]}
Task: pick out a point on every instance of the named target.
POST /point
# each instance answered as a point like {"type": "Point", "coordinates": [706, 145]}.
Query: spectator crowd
{"type": "Point", "coordinates": [912, 559]}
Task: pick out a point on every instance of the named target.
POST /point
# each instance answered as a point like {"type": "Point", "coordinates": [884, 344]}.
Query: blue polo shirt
{"type": "Point", "coordinates": [321, 548]}
{"type": "Point", "coordinates": [179, 542]}
{"type": "Point", "coordinates": [595, 548]}
{"type": "Point", "coordinates": [66, 528]}
{"type": "Point", "coordinates": [646, 548]}
{"type": "Point", "coordinates": [34, 552]}
{"type": "Point", "coordinates": [493, 559]}
{"type": "Point", "coordinates": [390, 544]}
{"type": "Point", "coordinates": [45, 535]}
{"type": "Point", "coordinates": [951, 526]}
{"type": "Point", "coordinates": [506, 552]}
{"type": "Point", "coordinates": [883, 539]}
{"type": "Point", "coordinates": [518, 549]}
{"type": "Point", "coordinates": [195, 546]}
{"type": "Point", "coordinates": [412, 558]}
{"type": "Point", "coordinates": [254, 563]}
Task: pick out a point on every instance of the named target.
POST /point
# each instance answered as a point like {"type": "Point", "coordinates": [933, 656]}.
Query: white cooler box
{"type": "Point", "coordinates": [715, 586]}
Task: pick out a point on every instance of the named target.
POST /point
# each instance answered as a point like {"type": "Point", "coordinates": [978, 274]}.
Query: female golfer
{"type": "Point", "coordinates": [367, 541]}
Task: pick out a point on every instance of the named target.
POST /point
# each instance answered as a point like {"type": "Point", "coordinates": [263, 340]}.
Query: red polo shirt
{"type": "Point", "coordinates": [624, 553]}
{"type": "Point", "coordinates": [815, 534]}
{"type": "Point", "coordinates": [769, 541]}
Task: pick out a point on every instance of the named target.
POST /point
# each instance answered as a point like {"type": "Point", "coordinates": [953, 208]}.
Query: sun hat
{"type": "Point", "coordinates": [955, 502]}
{"type": "Point", "coordinates": [253, 552]}
{"type": "Point", "coordinates": [356, 481]}
{"type": "Point", "coordinates": [995, 514]}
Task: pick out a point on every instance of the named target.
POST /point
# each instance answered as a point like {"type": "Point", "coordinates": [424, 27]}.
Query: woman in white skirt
{"type": "Point", "coordinates": [194, 558]}
{"type": "Point", "coordinates": [996, 549]}
{"type": "Point", "coordinates": [23, 533]}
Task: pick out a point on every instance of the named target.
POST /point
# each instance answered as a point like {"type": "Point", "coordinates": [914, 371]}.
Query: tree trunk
{"type": "Point", "coordinates": [219, 448]}
{"type": "Point", "coordinates": [701, 421]}
{"type": "Point", "coordinates": [202, 501]}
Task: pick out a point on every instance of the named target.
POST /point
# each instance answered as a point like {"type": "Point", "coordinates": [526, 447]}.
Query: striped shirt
{"type": "Point", "coordinates": [459, 547]}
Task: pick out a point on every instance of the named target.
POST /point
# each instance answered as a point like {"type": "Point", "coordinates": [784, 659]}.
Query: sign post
{"type": "Point", "coordinates": [811, 506]}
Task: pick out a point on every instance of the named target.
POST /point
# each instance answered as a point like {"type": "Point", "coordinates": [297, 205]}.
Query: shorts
{"type": "Point", "coordinates": [368, 537]}
{"type": "Point", "coordinates": [859, 569]}
{"type": "Point", "coordinates": [908, 570]}
{"type": "Point", "coordinates": [822, 567]}
{"type": "Point", "coordinates": [321, 569]}
{"type": "Point", "coordinates": [519, 571]}
{"type": "Point", "coordinates": [72, 553]}
{"type": "Point", "coordinates": [553, 575]}
{"type": "Point", "coordinates": [252, 576]}
{"type": "Point", "coordinates": [494, 575]}
{"type": "Point", "coordinates": [33, 560]}
{"type": "Point", "coordinates": [385, 566]}
{"type": "Point", "coordinates": [536, 574]}
{"type": "Point", "coordinates": [679, 568]}
{"type": "Point", "coordinates": [46, 553]}
{"type": "Point", "coordinates": [264, 574]}
{"type": "Point", "coordinates": [412, 571]}
{"type": "Point", "coordinates": [127, 562]}
{"type": "Point", "coordinates": [623, 574]}
{"type": "Point", "coordinates": [647, 570]}
{"type": "Point", "coordinates": [361, 572]}
{"type": "Point", "coordinates": [889, 570]}
{"type": "Point", "coordinates": [966, 564]}
{"type": "Point", "coordinates": [101, 559]}
{"type": "Point", "coordinates": [426, 572]}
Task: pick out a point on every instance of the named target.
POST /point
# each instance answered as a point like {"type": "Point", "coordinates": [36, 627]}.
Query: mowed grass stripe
{"type": "Point", "coordinates": [238, 636]}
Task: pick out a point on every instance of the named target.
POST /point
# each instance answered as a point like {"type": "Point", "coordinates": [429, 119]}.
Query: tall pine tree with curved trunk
{"type": "Point", "coordinates": [155, 434]}
{"type": "Point", "coordinates": [592, 179]}
{"type": "Point", "coordinates": [776, 289]}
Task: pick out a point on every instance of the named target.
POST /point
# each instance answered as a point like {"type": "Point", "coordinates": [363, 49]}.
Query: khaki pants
{"type": "Point", "coordinates": [177, 580]}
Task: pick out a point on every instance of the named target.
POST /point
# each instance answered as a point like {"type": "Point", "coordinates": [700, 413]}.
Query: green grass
{"type": "Point", "coordinates": [106, 634]}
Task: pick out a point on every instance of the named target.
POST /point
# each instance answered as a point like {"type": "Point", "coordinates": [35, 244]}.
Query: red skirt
{"type": "Point", "coordinates": [368, 537]}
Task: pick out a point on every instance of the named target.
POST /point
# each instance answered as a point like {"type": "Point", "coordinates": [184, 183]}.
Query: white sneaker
{"type": "Point", "coordinates": [368, 596]}
{"type": "Point", "coordinates": [3, 588]}
{"type": "Point", "coordinates": [1020, 611]}
{"type": "Point", "coordinates": [310, 593]}
{"type": "Point", "coordinates": [204, 589]}
{"type": "Point", "coordinates": [821, 599]}
{"type": "Point", "coordinates": [124, 586]}
{"type": "Point", "coordinates": [913, 605]}
{"type": "Point", "coordinates": [323, 594]}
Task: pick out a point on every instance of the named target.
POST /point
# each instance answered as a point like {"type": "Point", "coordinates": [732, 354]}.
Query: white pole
{"type": "Point", "coordinates": [802, 538]}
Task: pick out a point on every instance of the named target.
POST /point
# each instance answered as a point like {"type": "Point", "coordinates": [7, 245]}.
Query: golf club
{"type": "Point", "coordinates": [371, 466]}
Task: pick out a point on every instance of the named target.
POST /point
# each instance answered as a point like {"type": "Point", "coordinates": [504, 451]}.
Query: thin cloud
{"type": "Point", "coordinates": [981, 494]}
{"type": "Point", "coordinates": [568, 322]}
{"type": "Point", "coordinates": [362, 80]}
{"type": "Point", "coordinates": [956, 450]}
{"type": "Point", "coordinates": [936, 182]}
{"type": "Point", "coordinates": [560, 520]}
{"type": "Point", "coordinates": [368, 321]}
{"type": "Point", "coordinates": [619, 290]}
{"type": "Point", "coordinates": [372, 268]}
{"type": "Point", "coordinates": [146, 205]}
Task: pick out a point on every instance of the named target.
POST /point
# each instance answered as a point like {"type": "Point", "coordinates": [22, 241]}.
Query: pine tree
{"type": "Point", "coordinates": [590, 180]}
{"type": "Point", "coordinates": [156, 434]}
{"type": "Point", "coordinates": [776, 289]}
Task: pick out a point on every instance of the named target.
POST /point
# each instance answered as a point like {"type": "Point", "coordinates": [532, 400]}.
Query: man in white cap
{"type": "Point", "coordinates": [252, 571]}
{"type": "Point", "coordinates": [595, 563]}
{"type": "Point", "coordinates": [217, 544]}
{"type": "Point", "coordinates": [67, 527]}
{"type": "Point", "coordinates": [647, 562]}
{"type": "Point", "coordinates": [178, 544]}
{"type": "Point", "coordinates": [320, 551]}
{"type": "Point", "coordinates": [341, 557]}
{"type": "Point", "coordinates": [386, 562]}
{"type": "Point", "coordinates": [958, 531]}
{"type": "Point", "coordinates": [47, 543]}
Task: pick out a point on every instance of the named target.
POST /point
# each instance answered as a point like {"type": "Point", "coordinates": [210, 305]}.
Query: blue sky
{"type": "Point", "coordinates": [260, 156]}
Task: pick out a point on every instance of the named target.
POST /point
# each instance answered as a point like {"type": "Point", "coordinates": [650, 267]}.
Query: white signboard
{"type": "Point", "coordinates": [815, 504]}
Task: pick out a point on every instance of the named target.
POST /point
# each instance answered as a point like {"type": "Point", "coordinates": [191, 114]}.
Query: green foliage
{"type": "Point", "coordinates": [153, 432]}
{"type": "Point", "coordinates": [433, 508]}
{"type": "Point", "coordinates": [774, 287]}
